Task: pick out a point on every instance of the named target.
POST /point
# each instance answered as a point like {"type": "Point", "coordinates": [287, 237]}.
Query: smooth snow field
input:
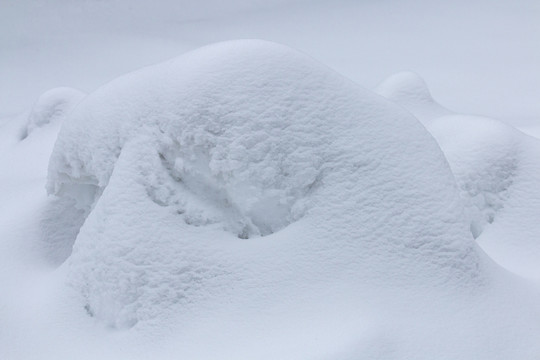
{"type": "Point", "coordinates": [174, 188]}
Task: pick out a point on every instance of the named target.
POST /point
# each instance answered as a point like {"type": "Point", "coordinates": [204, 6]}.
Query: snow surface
{"type": "Point", "coordinates": [244, 201]}
{"type": "Point", "coordinates": [496, 168]}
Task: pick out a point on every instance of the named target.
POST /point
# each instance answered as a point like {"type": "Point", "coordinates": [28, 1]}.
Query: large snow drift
{"type": "Point", "coordinates": [245, 175]}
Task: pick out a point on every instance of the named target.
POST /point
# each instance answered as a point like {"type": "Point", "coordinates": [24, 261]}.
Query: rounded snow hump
{"type": "Point", "coordinates": [247, 173]}
{"type": "Point", "coordinates": [495, 167]}
{"type": "Point", "coordinates": [51, 106]}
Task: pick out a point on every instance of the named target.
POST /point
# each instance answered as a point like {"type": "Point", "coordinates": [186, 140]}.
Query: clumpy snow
{"type": "Point", "coordinates": [242, 140]}
{"type": "Point", "coordinates": [244, 201]}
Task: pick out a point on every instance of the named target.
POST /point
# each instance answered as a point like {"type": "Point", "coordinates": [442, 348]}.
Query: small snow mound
{"type": "Point", "coordinates": [405, 86]}
{"type": "Point", "coordinates": [409, 90]}
{"type": "Point", "coordinates": [484, 155]}
{"type": "Point", "coordinates": [495, 167]}
{"type": "Point", "coordinates": [50, 107]}
{"type": "Point", "coordinates": [243, 139]}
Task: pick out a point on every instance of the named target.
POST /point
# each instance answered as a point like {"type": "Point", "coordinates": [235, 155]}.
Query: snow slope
{"type": "Point", "coordinates": [496, 167]}
{"type": "Point", "coordinates": [245, 201]}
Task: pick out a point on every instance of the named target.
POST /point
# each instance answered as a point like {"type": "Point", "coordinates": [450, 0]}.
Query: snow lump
{"type": "Point", "coordinates": [495, 166]}
{"type": "Point", "coordinates": [52, 106]}
{"type": "Point", "coordinates": [244, 175]}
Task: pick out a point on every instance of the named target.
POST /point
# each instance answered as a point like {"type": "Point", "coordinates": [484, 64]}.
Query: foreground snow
{"type": "Point", "coordinates": [244, 201]}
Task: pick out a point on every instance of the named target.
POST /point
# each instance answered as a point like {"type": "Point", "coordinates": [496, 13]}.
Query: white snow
{"type": "Point", "coordinates": [52, 106]}
{"type": "Point", "coordinates": [409, 90]}
{"type": "Point", "coordinates": [243, 139]}
{"type": "Point", "coordinates": [496, 168]}
{"type": "Point", "coordinates": [244, 201]}
{"type": "Point", "coordinates": [479, 57]}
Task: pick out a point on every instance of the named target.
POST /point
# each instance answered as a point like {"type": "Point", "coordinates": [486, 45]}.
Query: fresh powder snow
{"type": "Point", "coordinates": [238, 146]}
{"type": "Point", "coordinates": [243, 200]}
{"type": "Point", "coordinates": [495, 166]}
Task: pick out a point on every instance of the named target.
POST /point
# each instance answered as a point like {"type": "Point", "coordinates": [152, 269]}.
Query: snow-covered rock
{"type": "Point", "coordinates": [244, 175]}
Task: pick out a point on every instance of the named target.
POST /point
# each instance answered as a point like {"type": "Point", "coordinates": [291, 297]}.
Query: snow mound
{"type": "Point", "coordinates": [51, 107]}
{"type": "Point", "coordinates": [484, 155]}
{"type": "Point", "coordinates": [496, 169]}
{"type": "Point", "coordinates": [179, 163]}
{"type": "Point", "coordinates": [409, 90]}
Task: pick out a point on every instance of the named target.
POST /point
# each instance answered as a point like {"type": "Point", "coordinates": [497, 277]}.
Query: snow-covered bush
{"type": "Point", "coordinates": [245, 174]}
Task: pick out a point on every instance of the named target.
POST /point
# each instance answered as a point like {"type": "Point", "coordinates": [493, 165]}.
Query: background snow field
{"type": "Point", "coordinates": [245, 200]}
{"type": "Point", "coordinates": [479, 56]}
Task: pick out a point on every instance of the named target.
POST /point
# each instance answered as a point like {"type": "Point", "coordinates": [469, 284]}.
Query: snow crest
{"type": "Point", "coordinates": [52, 106]}
{"type": "Point", "coordinates": [245, 174]}
{"type": "Point", "coordinates": [409, 90]}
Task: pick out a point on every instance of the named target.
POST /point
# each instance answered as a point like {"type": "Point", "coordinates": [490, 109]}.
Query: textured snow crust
{"type": "Point", "coordinates": [495, 166]}
{"type": "Point", "coordinates": [244, 175]}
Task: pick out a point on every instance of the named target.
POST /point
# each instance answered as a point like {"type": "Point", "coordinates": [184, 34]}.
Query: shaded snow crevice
{"type": "Point", "coordinates": [60, 224]}
{"type": "Point", "coordinates": [200, 196]}
{"type": "Point", "coordinates": [63, 218]}
{"type": "Point", "coordinates": [486, 192]}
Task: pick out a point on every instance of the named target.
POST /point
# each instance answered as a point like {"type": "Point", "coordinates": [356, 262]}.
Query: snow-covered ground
{"type": "Point", "coordinates": [248, 201]}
